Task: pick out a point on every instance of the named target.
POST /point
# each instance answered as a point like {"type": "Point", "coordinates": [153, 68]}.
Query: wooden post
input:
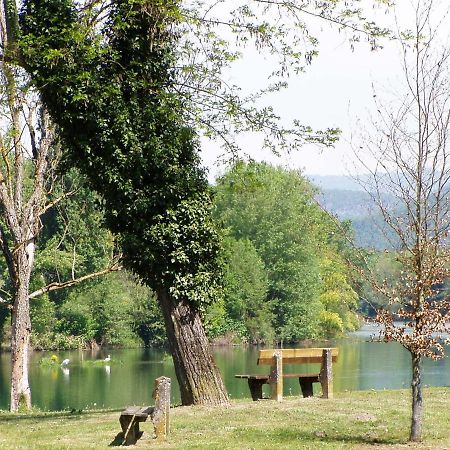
{"type": "Point", "coordinates": [276, 377]}
{"type": "Point", "coordinates": [160, 416]}
{"type": "Point", "coordinates": [326, 373]}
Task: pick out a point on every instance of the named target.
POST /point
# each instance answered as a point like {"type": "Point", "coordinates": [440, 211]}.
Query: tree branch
{"type": "Point", "coordinates": [62, 285]}
{"type": "Point", "coordinates": [57, 200]}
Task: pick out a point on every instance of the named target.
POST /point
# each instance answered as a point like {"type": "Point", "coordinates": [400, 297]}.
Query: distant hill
{"type": "Point", "coordinates": [332, 182]}
{"type": "Point", "coordinates": [346, 199]}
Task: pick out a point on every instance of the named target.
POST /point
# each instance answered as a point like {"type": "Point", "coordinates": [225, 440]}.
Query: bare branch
{"type": "Point", "coordinates": [57, 200]}
{"type": "Point", "coordinates": [65, 284]}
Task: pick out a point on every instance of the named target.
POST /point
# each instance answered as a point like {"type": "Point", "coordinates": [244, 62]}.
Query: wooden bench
{"type": "Point", "coordinates": [159, 414]}
{"type": "Point", "coordinates": [276, 358]}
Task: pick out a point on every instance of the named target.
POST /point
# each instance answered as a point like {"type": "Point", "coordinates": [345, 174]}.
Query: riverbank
{"type": "Point", "coordinates": [352, 420]}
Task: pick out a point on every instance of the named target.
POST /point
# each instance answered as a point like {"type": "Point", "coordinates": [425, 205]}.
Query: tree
{"type": "Point", "coordinates": [411, 161]}
{"type": "Point", "coordinates": [28, 154]}
{"type": "Point", "coordinates": [309, 288]}
{"type": "Point", "coordinates": [217, 34]}
{"type": "Point", "coordinates": [72, 243]}
{"type": "Point", "coordinates": [245, 313]}
{"type": "Point", "coordinates": [21, 213]}
{"type": "Point", "coordinates": [124, 128]}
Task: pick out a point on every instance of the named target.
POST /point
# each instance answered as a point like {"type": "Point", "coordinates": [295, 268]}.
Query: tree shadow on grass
{"type": "Point", "coordinates": [72, 414]}
{"type": "Point", "coordinates": [288, 436]}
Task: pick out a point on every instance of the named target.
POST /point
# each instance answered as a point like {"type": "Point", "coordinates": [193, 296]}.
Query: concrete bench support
{"type": "Point", "coordinates": [326, 373]}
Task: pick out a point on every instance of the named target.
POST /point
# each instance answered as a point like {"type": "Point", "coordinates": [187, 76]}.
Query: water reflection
{"type": "Point", "coordinates": [128, 378]}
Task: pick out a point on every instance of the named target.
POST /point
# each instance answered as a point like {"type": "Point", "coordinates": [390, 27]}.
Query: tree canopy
{"type": "Point", "coordinates": [274, 212]}
{"type": "Point", "coordinates": [109, 96]}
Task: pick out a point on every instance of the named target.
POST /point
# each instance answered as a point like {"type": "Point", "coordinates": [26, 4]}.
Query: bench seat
{"type": "Point", "coordinates": [255, 383]}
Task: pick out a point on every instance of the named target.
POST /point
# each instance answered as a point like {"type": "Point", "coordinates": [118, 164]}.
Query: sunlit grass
{"type": "Point", "coordinates": [372, 419]}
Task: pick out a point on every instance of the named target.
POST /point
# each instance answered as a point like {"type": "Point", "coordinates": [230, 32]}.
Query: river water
{"type": "Point", "coordinates": [128, 379]}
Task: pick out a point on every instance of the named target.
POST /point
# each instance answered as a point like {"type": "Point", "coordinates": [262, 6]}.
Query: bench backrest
{"type": "Point", "coordinates": [295, 355]}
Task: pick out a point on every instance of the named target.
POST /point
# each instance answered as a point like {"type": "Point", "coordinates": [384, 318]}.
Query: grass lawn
{"type": "Point", "coordinates": [363, 420]}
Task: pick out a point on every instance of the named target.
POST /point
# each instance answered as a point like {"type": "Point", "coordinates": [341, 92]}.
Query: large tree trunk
{"type": "Point", "coordinates": [21, 330]}
{"type": "Point", "coordinates": [198, 376]}
{"type": "Point", "coordinates": [416, 386]}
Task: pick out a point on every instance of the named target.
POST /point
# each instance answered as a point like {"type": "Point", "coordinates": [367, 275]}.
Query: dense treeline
{"type": "Point", "coordinates": [286, 276]}
{"type": "Point", "coordinates": [73, 243]}
{"type": "Point", "coordinates": [284, 264]}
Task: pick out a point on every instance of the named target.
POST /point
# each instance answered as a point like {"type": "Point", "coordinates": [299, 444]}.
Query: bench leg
{"type": "Point", "coordinates": [132, 428]}
{"type": "Point", "coordinates": [306, 386]}
{"type": "Point", "coordinates": [326, 373]}
{"type": "Point", "coordinates": [256, 388]}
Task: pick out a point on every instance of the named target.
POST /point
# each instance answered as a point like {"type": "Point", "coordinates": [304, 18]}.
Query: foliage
{"type": "Point", "coordinates": [51, 340]}
{"type": "Point", "coordinates": [49, 361]}
{"type": "Point", "coordinates": [73, 242]}
{"type": "Point", "coordinates": [42, 311]}
{"type": "Point", "coordinates": [384, 268]}
{"type": "Point", "coordinates": [298, 244]}
{"type": "Point", "coordinates": [338, 298]}
{"type": "Point", "coordinates": [212, 37]}
{"type": "Point", "coordinates": [124, 129]}
{"type": "Point", "coordinates": [107, 311]}
{"type": "Point", "coordinates": [246, 313]}
{"type": "Point", "coordinates": [147, 320]}
{"type": "Point", "coordinates": [216, 36]}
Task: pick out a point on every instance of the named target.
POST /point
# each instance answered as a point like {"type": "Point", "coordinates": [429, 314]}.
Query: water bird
{"type": "Point", "coordinates": [108, 358]}
{"type": "Point", "coordinates": [65, 362]}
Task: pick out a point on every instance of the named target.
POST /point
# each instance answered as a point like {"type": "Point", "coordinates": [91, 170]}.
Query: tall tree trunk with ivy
{"type": "Point", "coordinates": [124, 126]}
{"type": "Point", "coordinates": [198, 377]}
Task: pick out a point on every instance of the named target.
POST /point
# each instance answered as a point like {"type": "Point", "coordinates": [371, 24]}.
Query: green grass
{"type": "Point", "coordinates": [363, 420]}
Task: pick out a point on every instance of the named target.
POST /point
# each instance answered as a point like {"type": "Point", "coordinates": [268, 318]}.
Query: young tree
{"type": "Point", "coordinates": [410, 160]}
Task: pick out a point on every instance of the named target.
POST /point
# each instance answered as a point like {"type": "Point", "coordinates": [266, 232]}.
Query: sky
{"type": "Point", "coordinates": [337, 90]}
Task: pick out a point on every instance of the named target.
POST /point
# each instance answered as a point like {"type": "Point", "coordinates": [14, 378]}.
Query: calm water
{"type": "Point", "coordinates": [129, 377]}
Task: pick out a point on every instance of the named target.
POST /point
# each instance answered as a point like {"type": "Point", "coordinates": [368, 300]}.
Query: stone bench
{"type": "Point", "coordinates": [131, 417]}
{"type": "Point", "coordinates": [276, 358]}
